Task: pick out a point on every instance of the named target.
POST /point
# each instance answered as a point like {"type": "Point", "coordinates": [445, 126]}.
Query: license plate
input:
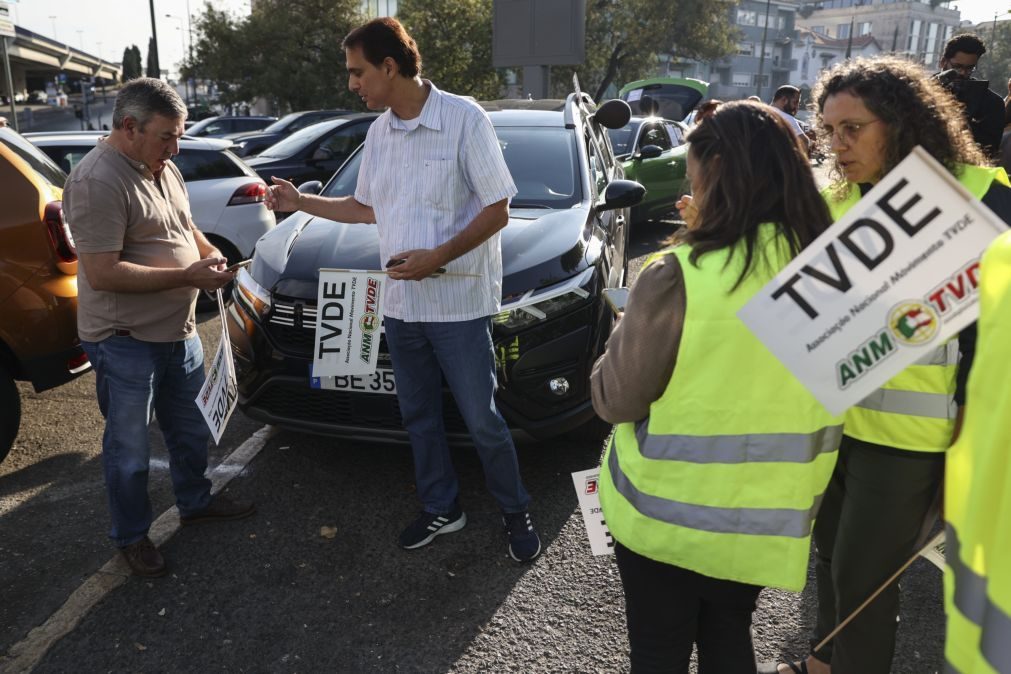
{"type": "Point", "coordinates": [380, 381]}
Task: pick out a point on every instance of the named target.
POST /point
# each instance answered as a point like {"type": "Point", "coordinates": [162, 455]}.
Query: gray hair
{"type": "Point", "coordinates": [144, 98]}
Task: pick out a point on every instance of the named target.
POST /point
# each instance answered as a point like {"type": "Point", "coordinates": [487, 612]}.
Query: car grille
{"type": "Point", "coordinates": [291, 327]}
{"type": "Point", "coordinates": [298, 402]}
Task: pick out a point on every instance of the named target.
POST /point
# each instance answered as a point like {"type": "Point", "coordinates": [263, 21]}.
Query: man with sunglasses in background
{"type": "Point", "coordinates": [984, 109]}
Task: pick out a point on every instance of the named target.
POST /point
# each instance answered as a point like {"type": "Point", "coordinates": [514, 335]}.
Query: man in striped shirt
{"type": "Point", "coordinates": [433, 179]}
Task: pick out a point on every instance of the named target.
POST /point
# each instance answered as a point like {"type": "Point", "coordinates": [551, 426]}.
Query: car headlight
{"type": "Point", "coordinates": [252, 296]}
{"type": "Point", "coordinates": [543, 303]}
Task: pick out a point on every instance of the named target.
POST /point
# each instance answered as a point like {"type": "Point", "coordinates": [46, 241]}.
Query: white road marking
{"type": "Point", "coordinates": [24, 655]}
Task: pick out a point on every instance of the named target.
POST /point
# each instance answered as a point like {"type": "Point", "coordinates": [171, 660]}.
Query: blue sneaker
{"type": "Point", "coordinates": [427, 526]}
{"type": "Point", "coordinates": [524, 543]}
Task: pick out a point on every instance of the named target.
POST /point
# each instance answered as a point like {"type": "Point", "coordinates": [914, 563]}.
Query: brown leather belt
{"type": "Point", "coordinates": [120, 332]}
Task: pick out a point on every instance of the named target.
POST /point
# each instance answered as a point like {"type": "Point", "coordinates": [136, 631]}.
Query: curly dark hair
{"type": "Point", "coordinates": [915, 108]}
{"type": "Point", "coordinates": [751, 170]}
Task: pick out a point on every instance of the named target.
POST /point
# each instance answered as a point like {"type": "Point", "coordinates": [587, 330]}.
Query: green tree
{"type": "Point", "coordinates": [995, 65]}
{"type": "Point", "coordinates": [624, 37]}
{"type": "Point", "coordinates": [287, 51]}
{"type": "Point", "coordinates": [455, 43]}
{"type": "Point", "coordinates": [132, 68]}
{"type": "Point", "coordinates": [153, 69]}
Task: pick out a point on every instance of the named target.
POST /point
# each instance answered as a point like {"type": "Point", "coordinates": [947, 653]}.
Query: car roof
{"type": "Point", "coordinates": [548, 104]}
{"type": "Point", "coordinates": [527, 117]}
{"type": "Point", "coordinates": [91, 137]}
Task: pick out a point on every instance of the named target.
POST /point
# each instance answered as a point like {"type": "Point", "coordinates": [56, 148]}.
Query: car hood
{"type": "Point", "coordinates": [254, 135]}
{"type": "Point", "coordinates": [539, 248]}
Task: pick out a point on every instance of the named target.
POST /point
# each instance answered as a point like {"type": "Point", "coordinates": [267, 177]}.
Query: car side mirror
{"type": "Point", "coordinates": [621, 194]}
{"type": "Point", "coordinates": [649, 152]}
{"type": "Point", "coordinates": [311, 187]}
{"type": "Point", "coordinates": [613, 114]}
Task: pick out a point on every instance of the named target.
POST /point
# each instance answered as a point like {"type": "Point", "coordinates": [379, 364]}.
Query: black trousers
{"type": "Point", "coordinates": [670, 608]}
{"type": "Point", "coordinates": [866, 529]}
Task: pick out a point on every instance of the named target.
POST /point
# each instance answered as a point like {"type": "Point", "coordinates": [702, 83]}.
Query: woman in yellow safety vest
{"type": "Point", "coordinates": [872, 113]}
{"type": "Point", "coordinates": [720, 456]}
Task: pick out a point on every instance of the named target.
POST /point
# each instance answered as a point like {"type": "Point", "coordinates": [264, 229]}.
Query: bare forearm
{"type": "Point", "coordinates": [490, 220]}
{"type": "Point", "coordinates": [127, 277]}
{"type": "Point", "coordinates": [205, 247]}
{"type": "Point", "coordinates": [340, 209]}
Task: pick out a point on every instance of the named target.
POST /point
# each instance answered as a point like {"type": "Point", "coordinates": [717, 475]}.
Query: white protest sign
{"type": "Point", "coordinates": [348, 316]}
{"type": "Point", "coordinates": [217, 397]}
{"type": "Point", "coordinates": [933, 551]}
{"type": "Point", "coordinates": [586, 483]}
{"type": "Point", "coordinates": [883, 287]}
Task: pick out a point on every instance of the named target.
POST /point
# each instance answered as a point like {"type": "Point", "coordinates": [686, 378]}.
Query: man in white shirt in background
{"type": "Point", "coordinates": [786, 101]}
{"type": "Point", "coordinates": [434, 181]}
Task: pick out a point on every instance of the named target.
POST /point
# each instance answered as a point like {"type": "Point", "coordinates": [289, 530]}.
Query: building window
{"type": "Point", "coordinates": [741, 80]}
{"type": "Point", "coordinates": [818, 29]}
{"type": "Point", "coordinates": [914, 36]}
{"type": "Point", "coordinates": [864, 28]}
{"type": "Point", "coordinates": [931, 49]}
{"type": "Point", "coordinates": [380, 7]}
{"type": "Point", "coordinates": [842, 31]}
{"type": "Point", "coordinates": [765, 81]}
{"type": "Point", "coordinates": [746, 17]}
{"type": "Point", "coordinates": [746, 49]}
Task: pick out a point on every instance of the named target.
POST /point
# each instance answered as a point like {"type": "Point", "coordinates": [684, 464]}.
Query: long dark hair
{"type": "Point", "coordinates": [915, 108]}
{"type": "Point", "coordinates": [751, 170]}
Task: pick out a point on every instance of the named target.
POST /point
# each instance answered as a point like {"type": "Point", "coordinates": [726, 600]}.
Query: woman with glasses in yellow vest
{"type": "Point", "coordinates": [872, 113]}
{"type": "Point", "coordinates": [720, 456]}
{"type": "Point", "coordinates": [977, 499]}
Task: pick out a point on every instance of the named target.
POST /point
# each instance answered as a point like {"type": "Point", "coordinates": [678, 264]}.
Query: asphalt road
{"type": "Point", "coordinates": [272, 594]}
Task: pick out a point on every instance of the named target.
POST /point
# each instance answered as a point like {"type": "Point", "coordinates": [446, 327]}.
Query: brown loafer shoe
{"type": "Point", "coordinates": [144, 559]}
{"type": "Point", "coordinates": [221, 509]}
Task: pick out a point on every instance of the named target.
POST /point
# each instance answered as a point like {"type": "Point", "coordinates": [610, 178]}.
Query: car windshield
{"type": "Point", "coordinates": [295, 142]}
{"type": "Point", "coordinates": [670, 101]}
{"type": "Point", "coordinates": [43, 166]}
{"type": "Point", "coordinates": [197, 128]}
{"type": "Point", "coordinates": [623, 138]}
{"type": "Point", "coordinates": [542, 162]}
{"type": "Point", "coordinates": [282, 124]}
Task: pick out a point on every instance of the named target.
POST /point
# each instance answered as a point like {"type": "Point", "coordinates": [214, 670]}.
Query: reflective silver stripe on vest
{"type": "Point", "coordinates": [971, 599]}
{"type": "Point", "coordinates": [915, 403]}
{"type": "Point", "coordinates": [946, 354]}
{"type": "Point", "coordinates": [756, 521]}
{"type": "Point", "coordinates": [757, 448]}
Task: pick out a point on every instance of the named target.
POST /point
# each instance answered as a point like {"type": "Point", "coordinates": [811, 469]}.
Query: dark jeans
{"type": "Point", "coordinates": [868, 523]}
{"type": "Point", "coordinates": [134, 379]}
{"type": "Point", "coordinates": [670, 608]}
{"type": "Point", "coordinates": [422, 354]}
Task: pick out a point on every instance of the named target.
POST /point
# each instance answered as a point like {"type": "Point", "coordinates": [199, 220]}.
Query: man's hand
{"type": "Point", "coordinates": [418, 264]}
{"type": "Point", "coordinates": [208, 273]}
{"type": "Point", "coordinates": [282, 196]}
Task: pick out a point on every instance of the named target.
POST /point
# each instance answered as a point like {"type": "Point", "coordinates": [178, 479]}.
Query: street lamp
{"type": "Point", "coordinates": [182, 42]}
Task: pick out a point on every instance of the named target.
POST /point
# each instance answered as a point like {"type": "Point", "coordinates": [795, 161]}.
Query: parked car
{"type": "Point", "coordinates": [38, 281]}
{"type": "Point", "coordinates": [661, 108]}
{"type": "Point", "coordinates": [567, 240]}
{"type": "Point", "coordinates": [653, 152]}
{"type": "Point", "coordinates": [222, 125]}
{"type": "Point", "coordinates": [198, 112]}
{"type": "Point", "coordinates": [315, 152]}
{"type": "Point", "coordinates": [226, 196]}
{"type": "Point", "coordinates": [251, 144]}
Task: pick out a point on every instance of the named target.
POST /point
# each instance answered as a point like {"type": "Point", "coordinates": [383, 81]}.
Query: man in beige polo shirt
{"type": "Point", "coordinates": [142, 264]}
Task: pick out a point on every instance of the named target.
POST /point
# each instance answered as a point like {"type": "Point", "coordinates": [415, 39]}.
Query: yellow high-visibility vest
{"type": "Point", "coordinates": [915, 410]}
{"type": "Point", "coordinates": [977, 490]}
{"type": "Point", "coordinates": [725, 475]}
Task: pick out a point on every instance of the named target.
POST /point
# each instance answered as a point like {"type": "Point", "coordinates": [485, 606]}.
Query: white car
{"type": "Point", "coordinates": [226, 196]}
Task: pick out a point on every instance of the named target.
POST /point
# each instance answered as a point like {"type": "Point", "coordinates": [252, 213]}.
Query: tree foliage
{"type": "Point", "coordinates": [624, 38]}
{"type": "Point", "coordinates": [455, 40]}
{"type": "Point", "coordinates": [995, 64]}
{"type": "Point", "coordinates": [132, 67]}
{"type": "Point", "coordinates": [287, 51]}
{"type": "Point", "coordinates": [152, 69]}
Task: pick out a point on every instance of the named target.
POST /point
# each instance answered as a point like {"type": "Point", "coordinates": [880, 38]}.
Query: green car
{"type": "Point", "coordinates": [651, 147]}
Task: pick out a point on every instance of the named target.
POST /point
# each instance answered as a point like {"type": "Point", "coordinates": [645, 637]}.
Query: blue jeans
{"type": "Point", "coordinates": [133, 378]}
{"type": "Point", "coordinates": [462, 351]}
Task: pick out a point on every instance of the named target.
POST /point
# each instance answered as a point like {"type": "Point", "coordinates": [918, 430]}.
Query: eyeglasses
{"type": "Point", "coordinates": [846, 132]}
{"type": "Point", "coordinates": [964, 69]}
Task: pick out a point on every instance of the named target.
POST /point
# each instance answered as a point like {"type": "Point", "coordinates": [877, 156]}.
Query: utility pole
{"type": "Point", "coordinates": [154, 43]}
{"type": "Point", "coordinates": [849, 42]}
{"type": "Point", "coordinates": [761, 58]}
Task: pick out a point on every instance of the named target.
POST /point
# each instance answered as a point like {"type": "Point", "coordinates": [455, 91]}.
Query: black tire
{"type": "Point", "coordinates": [208, 301]}
{"type": "Point", "coordinates": [10, 412]}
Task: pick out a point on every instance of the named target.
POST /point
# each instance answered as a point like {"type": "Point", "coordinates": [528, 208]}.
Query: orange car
{"type": "Point", "coordinates": [38, 281]}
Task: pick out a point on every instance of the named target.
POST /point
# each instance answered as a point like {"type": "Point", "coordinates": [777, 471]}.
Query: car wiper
{"type": "Point", "coordinates": [524, 204]}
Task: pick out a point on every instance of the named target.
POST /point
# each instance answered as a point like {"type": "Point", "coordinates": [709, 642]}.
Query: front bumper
{"type": "Point", "coordinates": [273, 363]}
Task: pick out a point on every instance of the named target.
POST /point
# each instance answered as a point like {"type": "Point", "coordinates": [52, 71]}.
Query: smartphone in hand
{"type": "Point", "coordinates": [616, 298]}
{"type": "Point", "coordinates": [238, 265]}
